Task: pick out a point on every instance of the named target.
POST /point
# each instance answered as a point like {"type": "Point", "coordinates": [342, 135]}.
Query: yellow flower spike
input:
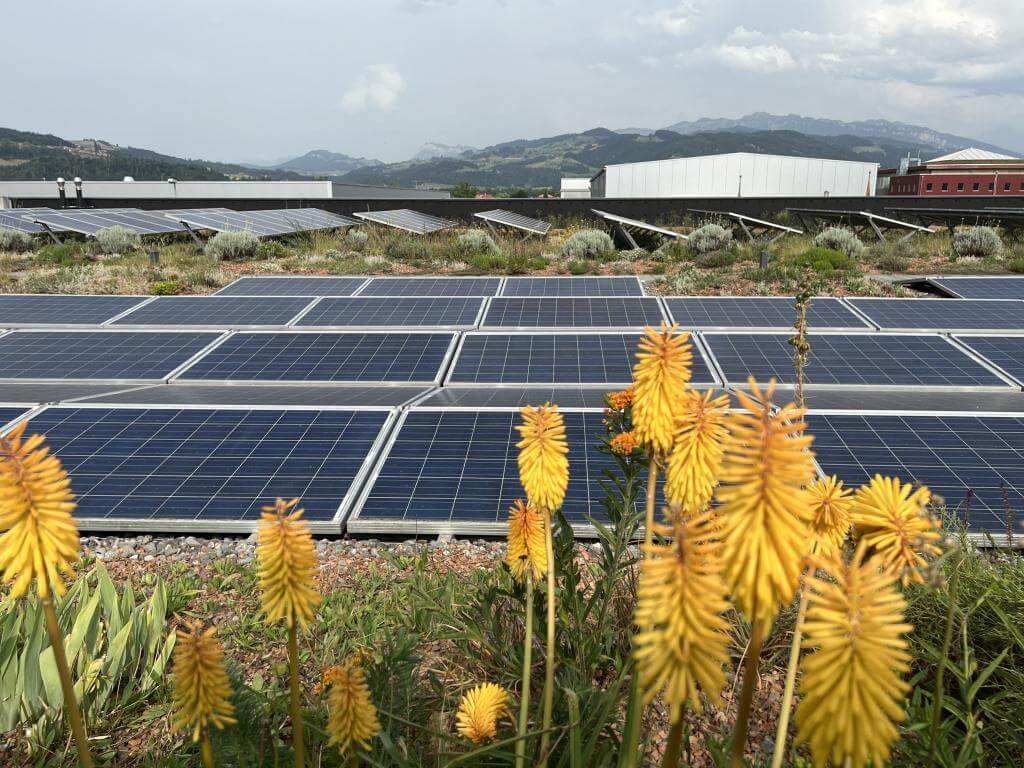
{"type": "Point", "coordinates": [201, 689]}
{"type": "Point", "coordinates": [479, 712]}
{"type": "Point", "coordinates": [287, 563]}
{"type": "Point", "coordinates": [830, 514]}
{"type": "Point", "coordinates": [696, 458]}
{"type": "Point", "coordinates": [352, 718]}
{"type": "Point", "coordinates": [764, 511]}
{"type": "Point", "coordinates": [892, 519]}
{"type": "Point", "coordinates": [526, 550]}
{"type": "Point", "coordinates": [852, 685]}
{"type": "Point", "coordinates": [623, 443]}
{"type": "Point", "coordinates": [543, 465]}
{"type": "Point", "coordinates": [682, 639]}
{"type": "Point", "coordinates": [660, 379]}
{"type": "Point", "coordinates": [38, 535]}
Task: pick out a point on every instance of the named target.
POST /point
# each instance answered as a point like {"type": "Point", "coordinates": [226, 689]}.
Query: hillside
{"type": "Point", "coordinates": [321, 162]}
{"type": "Point", "coordinates": [542, 162]}
{"type": "Point", "coordinates": [30, 156]}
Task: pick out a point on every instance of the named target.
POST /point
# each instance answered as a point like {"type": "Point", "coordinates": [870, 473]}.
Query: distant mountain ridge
{"type": "Point", "coordinates": [433, 149]}
{"type": "Point", "coordinates": [321, 162]}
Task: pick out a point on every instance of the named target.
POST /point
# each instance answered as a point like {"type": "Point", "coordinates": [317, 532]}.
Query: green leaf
{"type": "Point", "coordinates": [54, 696]}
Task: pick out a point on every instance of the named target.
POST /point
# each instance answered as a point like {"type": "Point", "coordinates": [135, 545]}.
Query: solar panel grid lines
{"type": "Point", "coordinates": [1005, 353]}
{"type": "Point", "coordinates": [102, 354]}
{"type": "Point", "coordinates": [268, 223]}
{"type": "Point", "coordinates": [408, 220]}
{"type": "Point", "coordinates": [942, 315]}
{"type": "Point", "coordinates": [637, 224]}
{"type": "Point", "coordinates": [550, 287]}
{"type": "Point", "coordinates": [52, 310]}
{"type": "Point", "coordinates": [11, 413]}
{"type": "Point", "coordinates": [89, 221]}
{"type": "Point", "coordinates": [217, 312]}
{"type": "Point", "coordinates": [17, 219]}
{"type": "Point", "coordinates": [270, 395]}
{"type": "Point", "coordinates": [211, 469]}
{"type": "Point", "coordinates": [761, 312]}
{"type": "Point", "coordinates": [561, 359]}
{"type": "Point", "coordinates": [996, 287]}
{"type": "Point", "coordinates": [874, 360]}
{"type": "Point", "coordinates": [514, 220]}
{"type": "Point", "coordinates": [293, 285]}
{"type": "Point", "coordinates": [431, 286]}
{"type": "Point", "coordinates": [526, 313]}
{"type": "Point", "coordinates": [305, 357]}
{"type": "Point", "coordinates": [971, 460]}
{"type": "Point", "coordinates": [394, 312]}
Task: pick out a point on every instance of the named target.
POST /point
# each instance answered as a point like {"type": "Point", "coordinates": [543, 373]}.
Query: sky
{"type": "Point", "coordinates": [264, 80]}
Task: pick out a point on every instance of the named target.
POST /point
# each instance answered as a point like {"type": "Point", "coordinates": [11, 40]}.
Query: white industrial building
{"type": "Point", "coordinates": [737, 174]}
{"type": "Point", "coordinates": [575, 188]}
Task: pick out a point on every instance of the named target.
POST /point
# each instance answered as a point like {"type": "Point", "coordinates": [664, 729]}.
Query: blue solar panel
{"type": "Point", "coordinates": [9, 414]}
{"type": "Point", "coordinates": [952, 455]}
{"type": "Point", "coordinates": [1005, 352]}
{"type": "Point", "coordinates": [207, 466]}
{"type": "Point", "coordinates": [902, 360]}
{"type": "Point", "coordinates": [943, 314]}
{"type": "Point", "coordinates": [572, 286]}
{"type": "Point", "coordinates": [459, 467]}
{"type": "Point", "coordinates": [554, 359]}
{"type": "Point", "coordinates": [292, 286]}
{"type": "Point", "coordinates": [408, 312]}
{"type": "Point", "coordinates": [97, 354]}
{"type": "Point", "coordinates": [432, 286]}
{"type": "Point", "coordinates": [629, 312]}
{"type": "Point", "coordinates": [981, 287]}
{"type": "Point", "coordinates": [762, 312]}
{"type": "Point", "coordinates": [335, 357]}
{"type": "Point", "coordinates": [43, 309]}
{"type": "Point", "coordinates": [217, 311]}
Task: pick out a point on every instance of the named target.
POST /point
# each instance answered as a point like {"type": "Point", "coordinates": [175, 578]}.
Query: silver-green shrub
{"type": "Point", "coordinates": [233, 245]}
{"type": "Point", "coordinates": [15, 240]}
{"type": "Point", "coordinates": [117, 239]}
{"type": "Point", "coordinates": [840, 239]}
{"type": "Point", "coordinates": [355, 240]}
{"type": "Point", "coordinates": [980, 242]}
{"type": "Point", "coordinates": [476, 242]}
{"type": "Point", "coordinates": [710, 237]}
{"type": "Point", "coordinates": [587, 244]}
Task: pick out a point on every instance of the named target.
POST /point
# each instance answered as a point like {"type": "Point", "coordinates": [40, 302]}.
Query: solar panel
{"type": "Point", "coordinates": [513, 397]}
{"type": "Point", "coordinates": [981, 287]}
{"type": "Point", "coordinates": [762, 312]}
{"type": "Point", "coordinates": [971, 461]}
{"type": "Point", "coordinates": [93, 220]}
{"type": "Point", "coordinates": [217, 311]}
{"type": "Point", "coordinates": [1004, 352]}
{"type": "Point", "coordinates": [928, 400]}
{"type": "Point", "coordinates": [554, 359]}
{"type": "Point", "coordinates": [277, 395]}
{"type": "Point", "coordinates": [208, 469]}
{"type": "Point", "coordinates": [432, 286]}
{"type": "Point", "coordinates": [515, 221]}
{"type": "Point", "coordinates": [633, 312]}
{"type": "Point", "coordinates": [407, 220]}
{"type": "Point", "coordinates": [318, 357]}
{"type": "Point", "coordinates": [622, 221]}
{"type": "Point", "coordinates": [9, 413]}
{"type": "Point", "coordinates": [21, 310]}
{"type": "Point", "coordinates": [77, 355]}
{"type": "Point", "coordinates": [455, 470]}
{"type": "Point", "coordinates": [394, 313]}
{"type": "Point", "coordinates": [308, 219]}
{"type": "Point", "coordinates": [292, 286]}
{"type": "Point", "coordinates": [17, 218]}
{"type": "Point", "coordinates": [233, 221]}
{"type": "Point", "coordinates": [865, 359]}
{"type": "Point", "coordinates": [572, 286]}
{"type": "Point", "coordinates": [942, 314]}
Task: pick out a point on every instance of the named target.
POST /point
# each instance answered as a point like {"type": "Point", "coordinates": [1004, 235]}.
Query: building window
{"type": "Point", "coordinates": [1006, 186]}
{"type": "Point", "coordinates": [976, 186]}
{"type": "Point", "coordinates": [1022, 186]}
{"type": "Point", "coordinates": [959, 186]}
{"type": "Point", "coordinates": [928, 186]}
{"type": "Point", "coordinates": [945, 186]}
{"type": "Point", "coordinates": [991, 186]}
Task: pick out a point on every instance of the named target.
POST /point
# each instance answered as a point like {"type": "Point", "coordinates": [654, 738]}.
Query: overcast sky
{"type": "Point", "coordinates": [256, 80]}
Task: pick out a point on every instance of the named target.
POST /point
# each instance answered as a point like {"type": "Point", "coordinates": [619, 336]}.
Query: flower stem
{"type": "Point", "coordinates": [652, 482]}
{"type": "Point", "coordinates": [524, 700]}
{"type": "Point", "coordinates": [206, 750]}
{"type": "Point", "coordinates": [747, 694]}
{"type": "Point", "coordinates": [293, 668]}
{"type": "Point", "coordinates": [675, 739]}
{"type": "Point", "coordinates": [940, 673]}
{"type": "Point", "coordinates": [787, 695]}
{"type": "Point", "coordinates": [549, 669]}
{"type": "Point", "coordinates": [67, 687]}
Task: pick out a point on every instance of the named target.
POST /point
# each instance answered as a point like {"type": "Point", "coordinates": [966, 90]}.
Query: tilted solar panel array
{"type": "Point", "coordinates": [981, 287]}
{"type": "Point", "coordinates": [762, 312]}
{"type": "Point", "coordinates": [292, 286]}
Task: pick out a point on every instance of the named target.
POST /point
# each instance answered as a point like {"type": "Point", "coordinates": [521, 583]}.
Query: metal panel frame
{"type": "Point", "coordinates": [372, 278]}
{"type": "Point", "coordinates": [937, 281]}
{"type": "Point", "coordinates": [963, 341]}
{"type": "Point", "coordinates": [492, 221]}
{"type": "Point", "coordinates": [739, 328]}
{"type": "Point", "coordinates": [621, 225]}
{"type": "Point", "coordinates": [367, 216]}
{"type": "Point", "coordinates": [541, 328]}
{"type": "Point", "coordinates": [945, 329]}
{"type": "Point", "coordinates": [435, 382]}
{"type": "Point", "coordinates": [179, 525]}
{"type": "Point", "coordinates": [219, 291]}
{"type": "Point", "coordinates": [219, 327]}
{"type": "Point", "coordinates": [506, 280]}
{"type": "Point", "coordinates": [142, 300]}
{"type": "Point", "coordinates": [484, 303]}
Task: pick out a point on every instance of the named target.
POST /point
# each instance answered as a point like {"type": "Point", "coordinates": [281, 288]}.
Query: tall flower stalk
{"type": "Point", "coordinates": [351, 716]}
{"type": "Point", "coordinates": [693, 467]}
{"type": "Point", "coordinates": [39, 542]}
{"type": "Point", "coordinates": [201, 690]}
{"type": "Point", "coordinates": [544, 475]}
{"type": "Point", "coordinates": [479, 712]}
{"type": "Point", "coordinates": [764, 517]}
{"type": "Point", "coordinates": [287, 573]}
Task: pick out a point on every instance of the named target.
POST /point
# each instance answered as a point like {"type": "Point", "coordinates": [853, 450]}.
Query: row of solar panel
{"type": "Point", "coordinates": [429, 470]}
{"type": "Point", "coordinates": [494, 358]}
{"type": "Point", "coordinates": [764, 313]}
{"type": "Point", "coordinates": [434, 286]}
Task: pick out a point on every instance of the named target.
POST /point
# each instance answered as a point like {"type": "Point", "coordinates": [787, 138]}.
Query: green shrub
{"type": "Point", "coordinates": [15, 240]}
{"type": "Point", "coordinates": [62, 255]}
{"type": "Point", "coordinates": [486, 262]}
{"type": "Point", "coordinates": [406, 248]}
{"type": "Point", "coordinates": [476, 241]}
{"type": "Point", "coordinates": [840, 239]}
{"type": "Point", "coordinates": [715, 259]}
{"type": "Point", "coordinates": [671, 250]}
{"type": "Point", "coordinates": [355, 240]}
{"type": "Point", "coordinates": [824, 260]}
{"type": "Point", "coordinates": [233, 245]}
{"type": "Point", "coordinates": [979, 242]}
{"type": "Point", "coordinates": [270, 249]}
{"type": "Point", "coordinates": [633, 254]}
{"type": "Point", "coordinates": [708, 238]}
{"type": "Point", "coordinates": [587, 244]}
{"type": "Point", "coordinates": [892, 262]}
{"type": "Point", "coordinates": [581, 267]}
{"type": "Point", "coordinates": [117, 239]}
{"type": "Point", "coordinates": [165, 288]}
{"type": "Point", "coordinates": [1016, 264]}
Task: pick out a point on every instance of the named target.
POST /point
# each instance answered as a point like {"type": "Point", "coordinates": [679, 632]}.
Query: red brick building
{"type": "Point", "coordinates": [967, 172]}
